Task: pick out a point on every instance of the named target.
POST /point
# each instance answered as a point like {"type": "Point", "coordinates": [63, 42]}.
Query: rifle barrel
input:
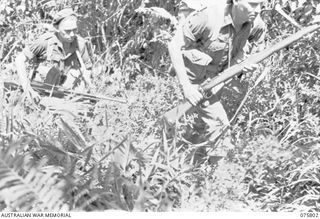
{"type": "Point", "coordinates": [181, 109]}
{"type": "Point", "coordinates": [258, 57]}
{"type": "Point", "coordinates": [61, 92]}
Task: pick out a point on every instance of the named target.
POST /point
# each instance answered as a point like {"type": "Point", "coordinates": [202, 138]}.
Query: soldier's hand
{"type": "Point", "coordinates": [192, 94]}
{"type": "Point", "coordinates": [250, 68]}
{"type": "Point", "coordinates": [86, 76]}
{"type": "Point", "coordinates": [33, 95]}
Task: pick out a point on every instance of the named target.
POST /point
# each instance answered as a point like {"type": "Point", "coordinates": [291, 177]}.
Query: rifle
{"type": "Point", "coordinates": [172, 115]}
{"type": "Point", "coordinates": [60, 92]}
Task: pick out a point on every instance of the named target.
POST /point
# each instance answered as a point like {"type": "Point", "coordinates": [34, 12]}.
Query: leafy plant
{"type": "Point", "coordinates": [66, 154]}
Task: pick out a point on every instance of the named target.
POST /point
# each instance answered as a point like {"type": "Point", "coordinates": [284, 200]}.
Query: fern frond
{"type": "Point", "coordinates": [86, 198]}
{"type": "Point", "coordinates": [29, 190]}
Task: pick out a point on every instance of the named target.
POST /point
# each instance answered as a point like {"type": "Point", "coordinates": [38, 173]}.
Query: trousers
{"type": "Point", "coordinates": [212, 117]}
{"type": "Point", "coordinates": [52, 75]}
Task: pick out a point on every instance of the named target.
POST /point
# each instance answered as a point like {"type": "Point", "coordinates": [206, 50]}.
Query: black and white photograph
{"type": "Point", "coordinates": [159, 106]}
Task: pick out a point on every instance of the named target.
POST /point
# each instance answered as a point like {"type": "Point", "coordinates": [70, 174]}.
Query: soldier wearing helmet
{"type": "Point", "coordinates": [208, 41]}
{"type": "Point", "coordinates": [58, 55]}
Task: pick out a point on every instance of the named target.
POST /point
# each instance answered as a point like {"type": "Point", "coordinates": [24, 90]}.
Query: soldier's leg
{"type": "Point", "coordinates": [47, 74]}
{"type": "Point", "coordinates": [209, 121]}
{"type": "Point", "coordinates": [230, 96]}
{"type": "Point", "coordinates": [216, 120]}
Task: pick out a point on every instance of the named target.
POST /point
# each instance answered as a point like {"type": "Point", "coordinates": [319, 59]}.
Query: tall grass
{"type": "Point", "coordinates": [108, 155]}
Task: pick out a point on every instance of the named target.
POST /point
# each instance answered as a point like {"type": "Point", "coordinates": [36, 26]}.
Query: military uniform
{"type": "Point", "coordinates": [53, 64]}
{"type": "Point", "coordinates": [211, 45]}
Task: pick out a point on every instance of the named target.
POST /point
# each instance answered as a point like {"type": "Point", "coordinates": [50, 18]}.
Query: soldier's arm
{"type": "Point", "coordinates": [85, 54]}
{"type": "Point", "coordinates": [175, 48]}
{"type": "Point", "coordinates": [85, 61]}
{"type": "Point", "coordinates": [187, 34]}
{"type": "Point", "coordinates": [175, 52]}
{"type": "Point", "coordinates": [256, 40]}
{"type": "Point", "coordinates": [255, 43]}
{"type": "Point", "coordinates": [30, 52]}
{"type": "Point", "coordinates": [20, 62]}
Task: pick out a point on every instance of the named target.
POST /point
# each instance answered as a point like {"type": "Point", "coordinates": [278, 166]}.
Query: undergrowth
{"type": "Point", "coordinates": [71, 155]}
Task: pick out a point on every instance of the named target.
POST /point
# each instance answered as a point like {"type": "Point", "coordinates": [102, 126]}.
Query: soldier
{"type": "Point", "coordinates": [209, 41]}
{"type": "Point", "coordinates": [58, 56]}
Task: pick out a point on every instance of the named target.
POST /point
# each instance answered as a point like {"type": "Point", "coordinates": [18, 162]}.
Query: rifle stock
{"type": "Point", "coordinates": [181, 109]}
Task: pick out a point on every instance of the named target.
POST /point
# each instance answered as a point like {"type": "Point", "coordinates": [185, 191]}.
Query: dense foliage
{"type": "Point", "coordinates": [66, 154]}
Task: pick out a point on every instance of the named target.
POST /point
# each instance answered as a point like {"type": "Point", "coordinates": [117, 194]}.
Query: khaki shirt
{"type": "Point", "coordinates": [210, 38]}
{"type": "Point", "coordinates": [48, 50]}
